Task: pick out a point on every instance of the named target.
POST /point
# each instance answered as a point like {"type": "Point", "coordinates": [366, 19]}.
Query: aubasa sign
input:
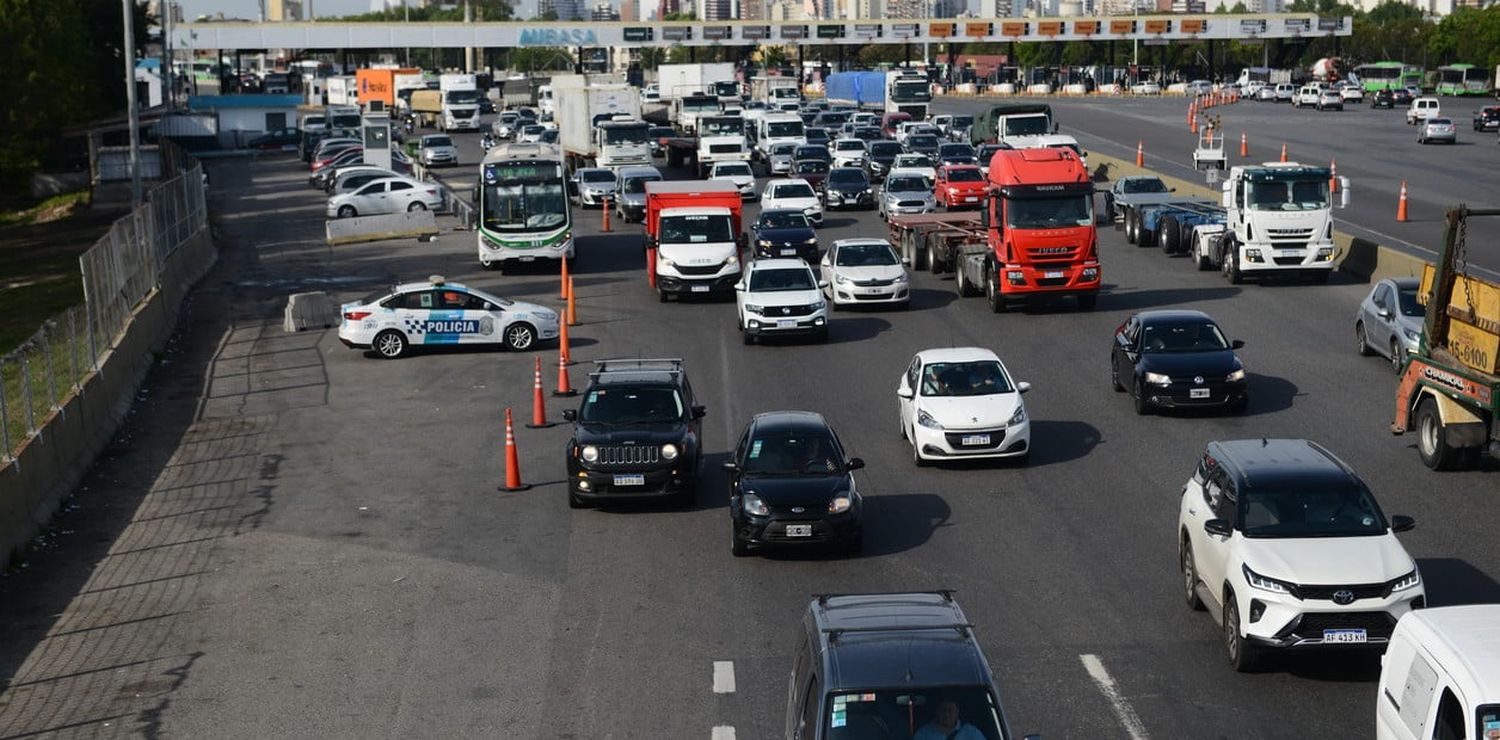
{"type": "Point", "coordinates": [558, 37]}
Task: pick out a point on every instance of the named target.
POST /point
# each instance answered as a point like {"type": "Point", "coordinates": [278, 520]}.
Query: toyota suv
{"type": "Point", "coordinates": [636, 435]}
{"type": "Point", "coordinates": [1287, 548]}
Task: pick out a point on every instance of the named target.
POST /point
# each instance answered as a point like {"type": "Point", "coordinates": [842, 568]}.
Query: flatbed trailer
{"type": "Point", "coordinates": [1172, 225]}
{"type": "Point", "coordinates": [941, 243]}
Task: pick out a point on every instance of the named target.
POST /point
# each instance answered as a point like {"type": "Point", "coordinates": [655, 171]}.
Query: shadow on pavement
{"type": "Point", "coordinates": [1137, 300]}
{"type": "Point", "coordinates": [1454, 582]}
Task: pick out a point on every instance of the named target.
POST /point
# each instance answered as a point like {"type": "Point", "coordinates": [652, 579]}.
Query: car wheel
{"type": "Point", "coordinates": [737, 545]}
{"type": "Point", "coordinates": [1142, 404]}
{"type": "Point", "coordinates": [746, 337]}
{"type": "Point", "coordinates": [519, 337]}
{"type": "Point", "coordinates": [1241, 653]}
{"type": "Point", "coordinates": [1238, 408]}
{"type": "Point", "coordinates": [390, 344]}
{"type": "Point", "coordinates": [347, 212]}
{"type": "Point", "coordinates": [855, 545]}
{"type": "Point", "coordinates": [415, 206]}
{"type": "Point", "coordinates": [916, 456]}
{"type": "Point", "coordinates": [1362, 339]}
{"type": "Point", "coordinates": [661, 295]}
{"type": "Point", "coordinates": [1398, 356]}
{"type": "Point", "coordinates": [1114, 376]}
{"type": "Point", "coordinates": [1189, 576]}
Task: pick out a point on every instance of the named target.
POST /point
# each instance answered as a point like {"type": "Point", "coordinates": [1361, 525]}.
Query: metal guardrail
{"type": "Point", "coordinates": [453, 203]}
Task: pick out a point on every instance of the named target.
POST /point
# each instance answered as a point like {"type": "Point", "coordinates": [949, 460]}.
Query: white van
{"type": "Point", "coordinates": [1422, 109]}
{"type": "Point", "coordinates": [1440, 677]}
{"type": "Point", "coordinates": [1307, 96]}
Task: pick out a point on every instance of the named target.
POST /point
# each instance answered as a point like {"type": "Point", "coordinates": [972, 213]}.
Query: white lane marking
{"type": "Point", "coordinates": [723, 677]}
{"type": "Point", "coordinates": [1123, 711]}
{"type": "Point", "coordinates": [722, 732]}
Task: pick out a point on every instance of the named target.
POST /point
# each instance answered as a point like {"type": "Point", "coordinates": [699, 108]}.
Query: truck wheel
{"type": "Point", "coordinates": [1201, 256]}
{"type": "Point", "coordinates": [934, 261]}
{"type": "Point", "coordinates": [1432, 439]}
{"type": "Point", "coordinates": [1087, 301]}
{"type": "Point", "coordinates": [1171, 235]}
{"type": "Point", "coordinates": [1129, 225]}
{"type": "Point", "coordinates": [962, 284]}
{"type": "Point", "coordinates": [1232, 265]}
{"type": "Point", "coordinates": [1144, 237]}
{"type": "Point", "coordinates": [992, 291]}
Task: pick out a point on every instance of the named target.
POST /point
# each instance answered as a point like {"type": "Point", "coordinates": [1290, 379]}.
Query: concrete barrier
{"type": "Point", "coordinates": [305, 311]}
{"type": "Point", "coordinates": [48, 466]}
{"type": "Point", "coordinates": [407, 225]}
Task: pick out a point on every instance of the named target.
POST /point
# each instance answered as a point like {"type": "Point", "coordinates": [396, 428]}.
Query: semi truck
{"type": "Point", "coordinates": [687, 109]}
{"type": "Point", "coordinates": [776, 92]}
{"type": "Point", "coordinates": [716, 79]}
{"type": "Point", "coordinates": [1035, 236]}
{"type": "Point", "coordinates": [600, 125]}
{"type": "Point", "coordinates": [1449, 392]}
{"type": "Point", "coordinates": [909, 92]}
{"type": "Point", "coordinates": [718, 139]}
{"type": "Point", "coordinates": [460, 102]}
{"type": "Point", "coordinates": [1278, 221]}
{"type": "Point", "coordinates": [697, 233]}
{"type": "Point", "coordinates": [863, 90]}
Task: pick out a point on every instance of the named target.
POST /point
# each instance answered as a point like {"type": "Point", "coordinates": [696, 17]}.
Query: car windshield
{"type": "Point", "coordinates": [782, 220]}
{"type": "Point", "coordinates": [1289, 195]}
{"type": "Point", "coordinates": [598, 176]}
{"type": "Point", "coordinates": [782, 280]}
{"type": "Point", "coordinates": [913, 160]}
{"type": "Point", "coordinates": [779, 129]}
{"type": "Point", "coordinates": [811, 166]}
{"type": "Point", "coordinates": [816, 134]}
{"type": "Point", "coordinates": [1182, 336]}
{"type": "Point", "coordinates": [1049, 213]}
{"type": "Point", "coordinates": [922, 141]}
{"type": "Point", "coordinates": [884, 149]}
{"type": "Point", "coordinates": [638, 184]}
{"type": "Point", "coordinates": [793, 454]}
{"type": "Point", "coordinates": [532, 129]}
{"type": "Point", "coordinates": [736, 169]}
{"type": "Point", "coordinates": [1325, 511]}
{"type": "Point", "coordinates": [961, 122]}
{"type": "Point", "coordinates": [1144, 185]}
{"type": "Point", "coordinates": [793, 189]}
{"type": "Point", "coordinates": [956, 150]}
{"type": "Point", "coordinates": [849, 145]}
{"type": "Point", "coordinates": [865, 255]}
{"type": "Point", "coordinates": [908, 184]}
{"type": "Point", "coordinates": [978, 378]}
{"type": "Point", "coordinates": [965, 175]}
{"type": "Point", "coordinates": [811, 152]}
{"type": "Point", "coordinates": [695, 229]}
{"type": "Point", "coordinates": [437, 141]}
{"type": "Point", "coordinates": [1027, 126]}
{"type": "Point", "coordinates": [847, 176]}
{"type": "Point", "coordinates": [783, 150]}
{"type": "Point", "coordinates": [637, 405]}
{"type": "Point", "coordinates": [948, 712]}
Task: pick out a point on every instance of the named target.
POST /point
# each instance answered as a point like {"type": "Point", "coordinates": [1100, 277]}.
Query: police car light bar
{"type": "Point", "coordinates": [436, 280]}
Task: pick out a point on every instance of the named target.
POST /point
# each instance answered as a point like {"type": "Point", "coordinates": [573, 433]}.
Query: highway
{"type": "Point", "coordinates": [294, 539]}
{"type": "Point", "coordinates": [1375, 149]}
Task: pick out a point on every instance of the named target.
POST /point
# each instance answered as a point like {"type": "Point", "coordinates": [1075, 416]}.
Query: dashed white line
{"type": "Point", "coordinates": [723, 677]}
{"type": "Point", "coordinates": [1123, 711]}
{"type": "Point", "coordinates": [722, 732]}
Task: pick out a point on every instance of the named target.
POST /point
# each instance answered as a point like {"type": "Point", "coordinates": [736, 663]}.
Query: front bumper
{"type": "Point", "coordinates": [434, 160]}
{"type": "Point", "coordinates": [893, 210]}
{"type": "Point", "coordinates": [1019, 281]}
{"type": "Point", "coordinates": [806, 252]}
{"type": "Point", "coordinates": [613, 485]}
{"type": "Point", "coordinates": [1181, 394]}
{"type": "Point", "coordinates": [1299, 259]}
{"type": "Point", "coordinates": [715, 286]}
{"type": "Point", "coordinates": [772, 529]}
{"type": "Point", "coordinates": [491, 253]}
{"type": "Point", "coordinates": [632, 212]}
{"type": "Point", "coordinates": [594, 198]}
{"type": "Point", "coordinates": [850, 295]}
{"type": "Point", "coordinates": [772, 326]}
{"type": "Point", "coordinates": [1283, 621]}
{"type": "Point", "coordinates": [964, 201]}
{"type": "Point", "coordinates": [835, 199]}
{"type": "Point", "coordinates": [940, 444]}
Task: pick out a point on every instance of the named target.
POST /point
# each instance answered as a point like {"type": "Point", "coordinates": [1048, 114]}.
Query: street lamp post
{"type": "Point", "coordinates": [132, 115]}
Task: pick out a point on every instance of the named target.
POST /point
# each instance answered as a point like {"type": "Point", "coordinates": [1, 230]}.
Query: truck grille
{"type": "Point", "coordinates": [723, 148]}
{"type": "Point", "coordinates": [629, 455]}
{"type": "Point", "coordinates": [1052, 253]}
{"type": "Point", "coordinates": [699, 269]}
{"type": "Point", "coordinates": [1288, 260]}
{"type": "Point", "coordinates": [1289, 234]}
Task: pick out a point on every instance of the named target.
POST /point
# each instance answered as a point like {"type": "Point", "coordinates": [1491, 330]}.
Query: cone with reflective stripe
{"type": "Point", "coordinates": [512, 457]}
{"type": "Point", "coordinates": [1401, 206]}
{"type": "Point", "coordinates": [564, 386]}
{"type": "Point", "coordinates": [1283, 151]}
{"type": "Point", "coordinates": [1140, 154]}
{"type": "Point", "coordinates": [564, 348]}
{"type": "Point", "coordinates": [562, 290]}
{"type": "Point", "coordinates": [1333, 175]}
{"type": "Point", "coordinates": [1193, 126]}
{"type": "Point", "coordinates": [1244, 145]}
{"type": "Point", "coordinates": [538, 401]}
{"type": "Point", "coordinates": [572, 304]}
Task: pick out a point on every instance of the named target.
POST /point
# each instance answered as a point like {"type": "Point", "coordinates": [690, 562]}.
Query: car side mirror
{"type": "Point", "coordinates": [700, 411]}
{"type": "Point", "coordinates": [730, 466]}
{"type": "Point", "coordinates": [905, 392]}
{"type": "Point", "coordinates": [1237, 344]}
{"type": "Point", "coordinates": [854, 463]}
{"type": "Point", "coordinates": [1218, 527]}
{"type": "Point", "coordinates": [823, 284]}
{"type": "Point", "coordinates": [1402, 523]}
{"type": "Point", "coordinates": [570, 414]}
{"type": "Point", "coordinates": [1023, 387]}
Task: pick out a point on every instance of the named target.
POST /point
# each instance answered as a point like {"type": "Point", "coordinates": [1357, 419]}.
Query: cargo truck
{"type": "Point", "coordinates": [907, 92]}
{"type": "Point", "coordinates": [1035, 237]}
{"type": "Point", "coordinates": [775, 92]}
{"type": "Point", "coordinates": [601, 126]}
{"type": "Point", "coordinates": [716, 79]}
{"type": "Point", "coordinates": [719, 139]}
{"type": "Point", "coordinates": [427, 106]}
{"type": "Point", "coordinates": [686, 110]}
{"type": "Point", "coordinates": [696, 230]}
{"type": "Point", "coordinates": [1450, 388]}
{"type": "Point", "coordinates": [381, 84]}
{"type": "Point", "coordinates": [863, 90]}
{"type": "Point", "coordinates": [460, 102]}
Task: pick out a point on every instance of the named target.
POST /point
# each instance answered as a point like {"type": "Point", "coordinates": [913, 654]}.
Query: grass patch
{"type": "Point", "coordinates": [39, 273]}
{"type": "Point", "coordinates": [52, 366]}
{"type": "Point", "coordinates": [52, 209]}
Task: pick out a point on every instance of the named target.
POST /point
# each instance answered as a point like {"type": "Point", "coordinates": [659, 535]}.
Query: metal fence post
{"type": "Point", "coordinates": [73, 367]}
{"type": "Point", "coordinates": [26, 393]}
{"type": "Point", "coordinates": [4, 416]}
{"type": "Point", "coordinates": [46, 334]}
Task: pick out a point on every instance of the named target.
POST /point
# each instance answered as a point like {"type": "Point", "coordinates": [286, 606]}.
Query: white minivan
{"type": "Point", "coordinates": [1423, 109]}
{"type": "Point", "coordinates": [1440, 676]}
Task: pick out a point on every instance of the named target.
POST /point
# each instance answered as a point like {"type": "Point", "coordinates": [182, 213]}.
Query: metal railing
{"type": "Point", "coordinates": [119, 271]}
{"type": "Point", "coordinates": [453, 203]}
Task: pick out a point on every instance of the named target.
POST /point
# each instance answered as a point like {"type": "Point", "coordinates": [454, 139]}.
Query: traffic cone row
{"type": "Point", "coordinates": [512, 459]}
{"type": "Point", "coordinates": [1401, 205]}
{"type": "Point", "coordinates": [572, 317]}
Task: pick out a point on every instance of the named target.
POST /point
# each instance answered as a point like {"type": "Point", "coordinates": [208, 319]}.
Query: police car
{"type": "Point", "coordinates": [440, 312]}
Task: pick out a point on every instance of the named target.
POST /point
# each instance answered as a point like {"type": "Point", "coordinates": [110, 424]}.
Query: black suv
{"type": "Point", "coordinates": [891, 665]}
{"type": "Point", "coordinates": [791, 484]}
{"type": "Point", "coordinates": [637, 435]}
{"type": "Point", "coordinates": [1383, 99]}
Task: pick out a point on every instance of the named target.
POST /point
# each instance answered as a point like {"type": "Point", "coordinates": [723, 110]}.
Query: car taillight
{"type": "Point", "coordinates": [356, 315]}
{"type": "Point", "coordinates": [431, 191]}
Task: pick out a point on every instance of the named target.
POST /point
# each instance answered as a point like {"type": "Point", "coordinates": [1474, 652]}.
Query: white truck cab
{"type": "Point", "coordinates": [1440, 675]}
{"type": "Point", "coordinates": [698, 249]}
{"type": "Point", "coordinates": [1279, 222]}
{"type": "Point", "coordinates": [777, 128]}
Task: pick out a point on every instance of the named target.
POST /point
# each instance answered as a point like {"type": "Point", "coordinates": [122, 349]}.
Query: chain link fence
{"type": "Point", "coordinates": [119, 271]}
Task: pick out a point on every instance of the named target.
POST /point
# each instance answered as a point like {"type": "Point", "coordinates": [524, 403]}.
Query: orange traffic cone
{"type": "Point", "coordinates": [564, 387]}
{"type": "Point", "coordinates": [1244, 145]}
{"type": "Point", "coordinates": [651, 267]}
{"type": "Point", "coordinates": [1193, 125]}
{"type": "Point", "coordinates": [1333, 176]}
{"type": "Point", "coordinates": [1401, 206]}
{"type": "Point", "coordinates": [512, 458]}
{"type": "Point", "coordinates": [1283, 151]}
{"type": "Point", "coordinates": [563, 350]}
{"type": "Point", "coordinates": [572, 305]}
{"type": "Point", "coordinates": [1140, 154]}
{"type": "Point", "coordinates": [538, 401]}
{"type": "Point", "coordinates": [562, 290]}
{"type": "Point", "coordinates": [606, 214]}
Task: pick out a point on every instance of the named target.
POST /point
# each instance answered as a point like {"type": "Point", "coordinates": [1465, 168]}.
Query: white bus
{"type": "Point", "coordinates": [523, 205]}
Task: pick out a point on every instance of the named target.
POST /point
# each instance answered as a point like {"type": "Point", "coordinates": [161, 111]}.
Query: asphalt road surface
{"type": "Point", "coordinates": [291, 538]}
{"type": "Point", "coordinates": [1375, 149]}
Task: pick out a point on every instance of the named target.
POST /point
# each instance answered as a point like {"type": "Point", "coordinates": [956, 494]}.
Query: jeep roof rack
{"type": "Point", "coordinates": [672, 363]}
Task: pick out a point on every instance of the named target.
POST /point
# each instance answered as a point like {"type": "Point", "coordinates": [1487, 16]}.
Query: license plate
{"type": "Point", "coordinates": [630, 480]}
{"type": "Point", "coordinates": [786, 323]}
{"type": "Point", "coordinates": [799, 530]}
{"type": "Point", "coordinates": [971, 199]}
{"type": "Point", "coordinates": [1344, 636]}
{"type": "Point", "coordinates": [871, 291]}
{"type": "Point", "coordinates": [1288, 253]}
{"type": "Point", "coordinates": [789, 253]}
{"type": "Point", "coordinates": [698, 288]}
{"type": "Point", "coordinates": [1198, 392]}
{"type": "Point", "coordinates": [1052, 274]}
{"type": "Point", "coordinates": [975, 439]}
{"type": "Point", "coordinates": [528, 258]}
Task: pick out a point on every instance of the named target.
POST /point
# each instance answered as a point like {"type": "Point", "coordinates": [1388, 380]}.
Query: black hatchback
{"type": "Point", "coordinates": [1177, 358]}
{"type": "Point", "coordinates": [790, 483]}
{"type": "Point", "coordinates": [784, 232]}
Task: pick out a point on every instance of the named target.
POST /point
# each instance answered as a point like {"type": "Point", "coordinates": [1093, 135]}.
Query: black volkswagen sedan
{"type": "Point", "coordinates": [784, 232]}
{"type": "Point", "coordinates": [1168, 359]}
{"type": "Point", "coordinates": [847, 187]}
{"type": "Point", "coordinates": [790, 484]}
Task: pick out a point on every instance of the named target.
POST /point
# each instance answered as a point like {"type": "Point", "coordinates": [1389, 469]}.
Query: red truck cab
{"type": "Point", "coordinates": [1040, 228]}
{"type": "Point", "coordinates": [960, 186]}
{"type": "Point", "coordinates": [696, 229]}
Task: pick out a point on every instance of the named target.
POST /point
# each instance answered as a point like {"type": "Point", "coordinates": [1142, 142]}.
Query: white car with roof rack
{"type": "Point", "coordinates": [780, 297]}
{"type": "Point", "coordinates": [438, 312]}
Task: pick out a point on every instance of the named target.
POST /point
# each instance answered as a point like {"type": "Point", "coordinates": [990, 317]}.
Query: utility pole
{"type": "Point", "coordinates": [468, 50]}
{"type": "Point", "coordinates": [168, 97]}
{"type": "Point", "coordinates": [132, 115]}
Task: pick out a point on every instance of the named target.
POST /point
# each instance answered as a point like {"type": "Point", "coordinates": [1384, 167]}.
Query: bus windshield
{"type": "Point", "coordinates": [524, 205]}
{"type": "Point", "coordinates": [1049, 213]}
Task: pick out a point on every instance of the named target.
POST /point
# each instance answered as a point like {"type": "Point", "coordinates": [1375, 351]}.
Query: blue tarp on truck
{"type": "Point", "coordinates": [862, 89]}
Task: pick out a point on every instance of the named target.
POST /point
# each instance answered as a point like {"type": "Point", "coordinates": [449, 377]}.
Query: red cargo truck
{"type": "Point", "coordinates": [696, 229]}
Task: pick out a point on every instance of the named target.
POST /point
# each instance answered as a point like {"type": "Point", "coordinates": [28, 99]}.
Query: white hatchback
{"type": "Point", "coordinates": [961, 403]}
{"type": "Point", "coordinates": [794, 193]}
{"type": "Point", "coordinates": [864, 271]}
{"type": "Point", "coordinates": [780, 297]}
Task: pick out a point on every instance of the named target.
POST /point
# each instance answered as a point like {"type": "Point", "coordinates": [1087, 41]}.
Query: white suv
{"type": "Point", "coordinates": [1288, 549]}
{"type": "Point", "coordinates": [780, 297]}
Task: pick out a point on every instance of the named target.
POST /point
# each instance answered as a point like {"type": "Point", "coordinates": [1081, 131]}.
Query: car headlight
{"type": "Point", "coordinates": [820, 305]}
{"type": "Point", "coordinates": [811, 241]}
{"type": "Point", "coordinates": [589, 453]}
{"type": "Point", "coordinates": [840, 504]}
{"type": "Point", "coordinates": [754, 506]}
{"type": "Point", "coordinates": [754, 308]}
{"type": "Point", "coordinates": [1409, 581]}
{"type": "Point", "coordinates": [842, 280]}
{"type": "Point", "coordinates": [1158, 379]}
{"type": "Point", "coordinates": [1412, 336]}
{"type": "Point", "coordinates": [764, 243]}
{"type": "Point", "coordinates": [669, 452]}
{"type": "Point", "coordinates": [732, 260]}
{"type": "Point", "coordinates": [1017, 418]}
{"type": "Point", "coordinates": [902, 278]}
{"type": "Point", "coordinates": [1263, 583]}
{"type": "Point", "coordinates": [925, 419]}
{"type": "Point", "coordinates": [1236, 376]}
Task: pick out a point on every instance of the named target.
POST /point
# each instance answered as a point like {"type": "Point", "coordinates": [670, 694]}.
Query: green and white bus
{"type": "Point", "coordinates": [523, 205]}
{"type": "Point", "coordinates": [1463, 79]}
{"type": "Point", "coordinates": [1388, 76]}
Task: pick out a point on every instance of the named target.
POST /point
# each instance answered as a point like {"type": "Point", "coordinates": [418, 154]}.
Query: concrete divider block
{"type": "Point", "coordinates": [314, 310]}
{"type": "Point", "coordinates": [408, 225]}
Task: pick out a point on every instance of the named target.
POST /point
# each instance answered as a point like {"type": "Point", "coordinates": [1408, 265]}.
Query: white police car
{"type": "Point", "coordinates": [440, 312]}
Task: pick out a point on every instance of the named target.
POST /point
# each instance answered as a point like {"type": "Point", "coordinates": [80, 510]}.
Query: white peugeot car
{"type": "Point", "coordinates": [780, 297]}
{"type": "Point", "coordinates": [1288, 549]}
{"type": "Point", "coordinates": [794, 193]}
{"type": "Point", "coordinates": [864, 272]}
{"type": "Point", "coordinates": [961, 403]}
{"type": "Point", "coordinates": [440, 312]}
{"type": "Point", "coordinates": [737, 173]}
